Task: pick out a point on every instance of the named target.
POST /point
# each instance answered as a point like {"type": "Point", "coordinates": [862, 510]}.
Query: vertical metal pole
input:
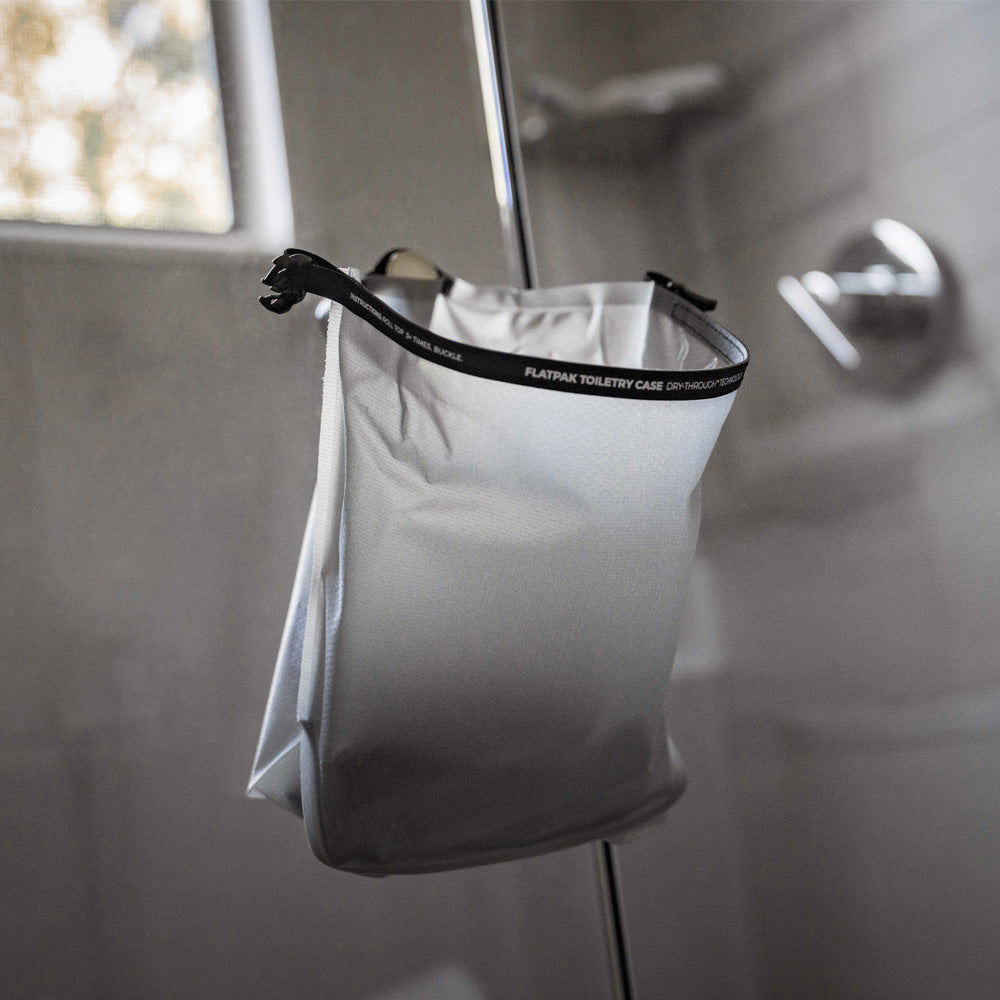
{"type": "Point", "coordinates": [505, 159]}
{"type": "Point", "coordinates": [613, 916]}
{"type": "Point", "coordinates": [508, 182]}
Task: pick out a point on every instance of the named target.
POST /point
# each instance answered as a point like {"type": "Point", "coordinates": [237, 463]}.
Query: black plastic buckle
{"type": "Point", "coordinates": [701, 302]}
{"type": "Point", "coordinates": [283, 279]}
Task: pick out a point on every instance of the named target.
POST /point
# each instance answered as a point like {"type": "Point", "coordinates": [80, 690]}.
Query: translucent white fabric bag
{"type": "Point", "coordinates": [485, 614]}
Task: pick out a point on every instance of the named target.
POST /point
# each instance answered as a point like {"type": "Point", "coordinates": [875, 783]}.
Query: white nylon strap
{"type": "Point", "coordinates": [326, 539]}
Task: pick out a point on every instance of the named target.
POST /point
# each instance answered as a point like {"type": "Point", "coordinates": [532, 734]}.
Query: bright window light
{"type": "Point", "coordinates": [111, 116]}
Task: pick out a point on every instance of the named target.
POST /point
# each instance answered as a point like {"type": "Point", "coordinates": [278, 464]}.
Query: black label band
{"type": "Point", "coordinates": [563, 376]}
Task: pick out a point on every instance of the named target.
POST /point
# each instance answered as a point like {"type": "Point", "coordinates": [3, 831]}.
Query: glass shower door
{"type": "Point", "coordinates": [835, 696]}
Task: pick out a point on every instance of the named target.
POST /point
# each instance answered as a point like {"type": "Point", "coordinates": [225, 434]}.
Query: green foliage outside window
{"type": "Point", "coordinates": [110, 115]}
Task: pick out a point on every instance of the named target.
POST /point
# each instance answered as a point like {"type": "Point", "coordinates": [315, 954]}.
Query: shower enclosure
{"type": "Point", "coordinates": [837, 694]}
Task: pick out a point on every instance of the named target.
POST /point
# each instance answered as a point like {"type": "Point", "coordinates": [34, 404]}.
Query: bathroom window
{"type": "Point", "coordinates": [120, 117]}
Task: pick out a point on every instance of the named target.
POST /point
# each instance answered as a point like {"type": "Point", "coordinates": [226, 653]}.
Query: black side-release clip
{"type": "Point", "coordinates": [701, 302]}
{"type": "Point", "coordinates": [284, 279]}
